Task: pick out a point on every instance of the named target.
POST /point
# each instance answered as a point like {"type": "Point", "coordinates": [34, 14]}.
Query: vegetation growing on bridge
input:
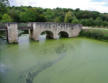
{"type": "Point", "coordinates": [36, 14]}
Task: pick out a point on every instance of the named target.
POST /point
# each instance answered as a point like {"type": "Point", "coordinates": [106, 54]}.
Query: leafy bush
{"type": "Point", "coordinates": [100, 34]}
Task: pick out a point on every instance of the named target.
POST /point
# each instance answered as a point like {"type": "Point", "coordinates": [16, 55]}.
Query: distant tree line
{"type": "Point", "coordinates": [36, 14]}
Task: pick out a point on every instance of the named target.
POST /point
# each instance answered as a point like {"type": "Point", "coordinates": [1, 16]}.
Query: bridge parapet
{"type": "Point", "coordinates": [56, 25]}
{"type": "Point", "coordinates": [25, 26]}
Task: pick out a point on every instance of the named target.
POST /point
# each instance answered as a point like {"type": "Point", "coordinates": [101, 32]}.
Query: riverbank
{"type": "Point", "coordinates": [96, 33]}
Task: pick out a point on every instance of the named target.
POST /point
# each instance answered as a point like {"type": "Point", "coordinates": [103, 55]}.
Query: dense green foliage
{"type": "Point", "coordinates": [100, 34]}
{"type": "Point", "coordinates": [5, 2]}
{"type": "Point", "coordinates": [36, 14]}
{"type": "Point", "coordinates": [6, 18]}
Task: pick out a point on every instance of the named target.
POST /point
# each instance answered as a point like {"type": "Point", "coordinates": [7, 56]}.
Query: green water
{"type": "Point", "coordinates": [74, 60]}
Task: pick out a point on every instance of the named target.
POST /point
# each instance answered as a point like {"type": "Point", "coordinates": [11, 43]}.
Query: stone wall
{"type": "Point", "coordinates": [37, 28]}
{"type": "Point", "coordinates": [71, 29]}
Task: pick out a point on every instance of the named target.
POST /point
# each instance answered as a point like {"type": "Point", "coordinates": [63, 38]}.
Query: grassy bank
{"type": "Point", "coordinates": [100, 34]}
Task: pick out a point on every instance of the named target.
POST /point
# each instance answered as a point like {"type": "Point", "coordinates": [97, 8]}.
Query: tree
{"type": "Point", "coordinates": [2, 8]}
{"type": "Point", "coordinates": [28, 16]}
{"type": "Point", "coordinates": [6, 18]}
{"type": "Point", "coordinates": [5, 2]}
{"type": "Point", "coordinates": [3, 5]}
{"type": "Point", "coordinates": [41, 18]}
{"type": "Point", "coordinates": [37, 14]}
{"type": "Point", "coordinates": [98, 21]}
{"type": "Point", "coordinates": [68, 17]}
{"type": "Point", "coordinates": [49, 14]}
{"type": "Point", "coordinates": [105, 23]}
{"type": "Point", "coordinates": [87, 22]}
{"type": "Point", "coordinates": [75, 21]}
{"type": "Point", "coordinates": [14, 14]}
{"type": "Point", "coordinates": [57, 19]}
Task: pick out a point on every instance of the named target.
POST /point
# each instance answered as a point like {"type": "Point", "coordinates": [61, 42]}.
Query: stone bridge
{"type": "Point", "coordinates": [53, 30]}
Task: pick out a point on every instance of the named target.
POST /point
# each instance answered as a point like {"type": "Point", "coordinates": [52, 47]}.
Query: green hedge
{"type": "Point", "coordinates": [100, 34]}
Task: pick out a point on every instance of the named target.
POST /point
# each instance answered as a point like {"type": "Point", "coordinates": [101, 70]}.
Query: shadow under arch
{"type": "Point", "coordinates": [49, 34]}
{"type": "Point", "coordinates": [63, 34]}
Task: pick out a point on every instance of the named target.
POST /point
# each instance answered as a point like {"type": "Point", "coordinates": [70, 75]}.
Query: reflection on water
{"type": "Point", "coordinates": [42, 38]}
{"type": "Point", "coordinates": [3, 69]}
{"type": "Point", "coordinates": [76, 60]}
{"type": "Point", "coordinates": [29, 75]}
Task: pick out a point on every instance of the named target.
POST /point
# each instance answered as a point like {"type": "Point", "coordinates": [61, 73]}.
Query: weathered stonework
{"type": "Point", "coordinates": [12, 33]}
{"type": "Point", "coordinates": [36, 28]}
{"type": "Point", "coordinates": [55, 28]}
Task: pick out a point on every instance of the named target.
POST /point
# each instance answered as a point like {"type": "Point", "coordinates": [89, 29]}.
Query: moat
{"type": "Point", "coordinates": [67, 60]}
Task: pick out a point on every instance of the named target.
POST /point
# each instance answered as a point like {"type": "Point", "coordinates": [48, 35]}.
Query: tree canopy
{"type": "Point", "coordinates": [37, 14]}
{"type": "Point", "coordinates": [5, 2]}
{"type": "Point", "coordinates": [6, 18]}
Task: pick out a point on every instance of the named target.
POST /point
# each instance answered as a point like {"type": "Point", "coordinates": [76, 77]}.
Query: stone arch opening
{"type": "Point", "coordinates": [49, 34]}
{"type": "Point", "coordinates": [63, 34]}
{"type": "Point", "coordinates": [3, 34]}
{"type": "Point", "coordinates": [22, 32]}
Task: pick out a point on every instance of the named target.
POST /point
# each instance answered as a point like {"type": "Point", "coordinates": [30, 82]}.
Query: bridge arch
{"type": "Point", "coordinates": [53, 30]}
{"type": "Point", "coordinates": [63, 34]}
{"type": "Point", "coordinates": [49, 34]}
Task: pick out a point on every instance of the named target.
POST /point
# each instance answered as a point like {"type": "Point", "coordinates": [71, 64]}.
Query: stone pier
{"type": "Point", "coordinates": [12, 33]}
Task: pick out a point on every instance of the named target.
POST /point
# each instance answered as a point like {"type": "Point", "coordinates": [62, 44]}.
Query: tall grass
{"type": "Point", "coordinates": [100, 34]}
